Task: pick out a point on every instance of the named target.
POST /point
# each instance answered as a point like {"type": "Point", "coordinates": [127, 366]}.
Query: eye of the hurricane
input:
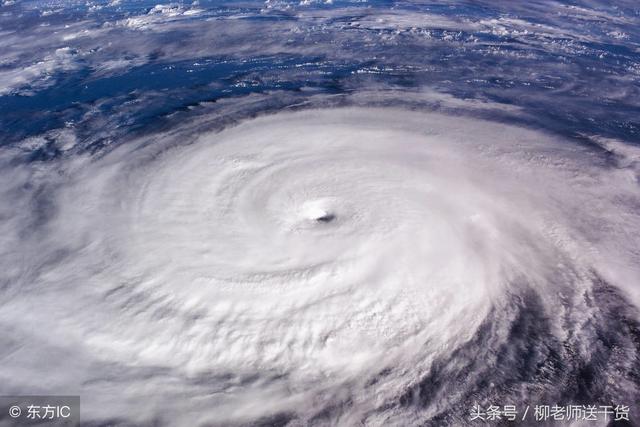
{"type": "Point", "coordinates": [325, 217]}
{"type": "Point", "coordinates": [317, 212]}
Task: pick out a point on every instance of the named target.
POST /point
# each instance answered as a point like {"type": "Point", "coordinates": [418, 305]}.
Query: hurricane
{"type": "Point", "coordinates": [317, 213]}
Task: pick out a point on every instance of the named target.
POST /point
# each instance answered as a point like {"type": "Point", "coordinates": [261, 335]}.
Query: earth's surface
{"type": "Point", "coordinates": [347, 212]}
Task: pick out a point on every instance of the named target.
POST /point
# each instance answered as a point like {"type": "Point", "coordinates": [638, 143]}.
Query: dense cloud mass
{"type": "Point", "coordinates": [320, 212]}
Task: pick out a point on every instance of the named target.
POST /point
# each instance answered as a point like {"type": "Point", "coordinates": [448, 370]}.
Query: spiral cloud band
{"type": "Point", "coordinates": [326, 267]}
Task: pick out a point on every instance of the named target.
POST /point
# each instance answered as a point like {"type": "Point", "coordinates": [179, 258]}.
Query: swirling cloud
{"type": "Point", "coordinates": [325, 266]}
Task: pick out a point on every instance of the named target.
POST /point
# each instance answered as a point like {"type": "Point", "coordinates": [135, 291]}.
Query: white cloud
{"type": "Point", "coordinates": [195, 258]}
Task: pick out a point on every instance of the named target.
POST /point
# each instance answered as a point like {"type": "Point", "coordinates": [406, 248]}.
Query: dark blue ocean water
{"type": "Point", "coordinates": [571, 67]}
